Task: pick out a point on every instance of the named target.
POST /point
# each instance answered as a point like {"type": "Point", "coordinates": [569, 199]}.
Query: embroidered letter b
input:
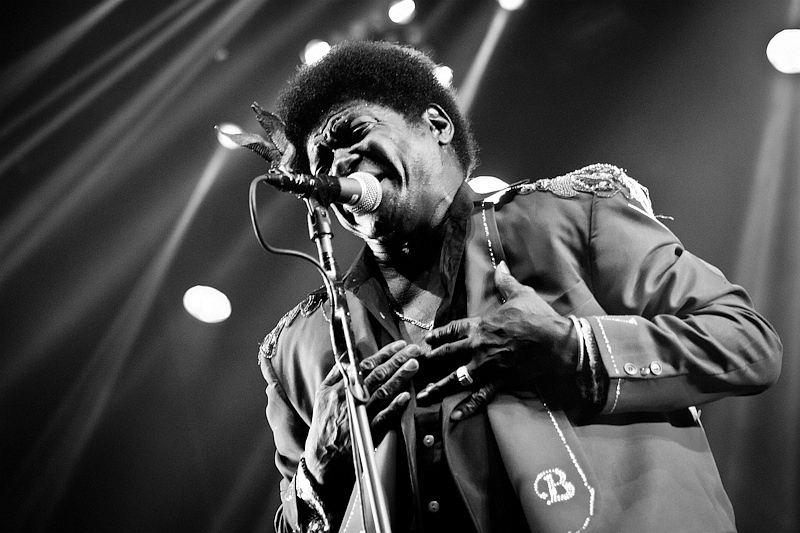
{"type": "Point", "coordinates": [558, 488]}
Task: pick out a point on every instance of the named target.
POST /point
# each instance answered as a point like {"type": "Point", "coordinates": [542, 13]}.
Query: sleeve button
{"type": "Point", "coordinates": [655, 368]}
{"type": "Point", "coordinates": [630, 369]}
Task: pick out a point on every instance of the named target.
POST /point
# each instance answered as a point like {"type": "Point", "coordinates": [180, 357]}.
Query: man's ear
{"type": "Point", "coordinates": [440, 123]}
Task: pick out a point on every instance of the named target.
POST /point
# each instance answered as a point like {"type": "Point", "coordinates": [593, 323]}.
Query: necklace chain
{"type": "Point", "coordinates": [424, 325]}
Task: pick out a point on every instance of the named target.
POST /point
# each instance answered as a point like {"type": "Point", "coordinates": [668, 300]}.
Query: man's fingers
{"type": "Point", "coordinates": [398, 381]}
{"type": "Point", "coordinates": [505, 282]}
{"type": "Point", "coordinates": [453, 348]}
{"type": "Point", "coordinates": [526, 298]}
{"type": "Point", "coordinates": [457, 329]}
{"type": "Point", "coordinates": [381, 355]}
{"type": "Point", "coordinates": [387, 369]}
{"type": "Point", "coordinates": [382, 421]}
{"type": "Point", "coordinates": [475, 402]}
{"type": "Point", "coordinates": [435, 392]}
{"type": "Point", "coordinates": [333, 377]}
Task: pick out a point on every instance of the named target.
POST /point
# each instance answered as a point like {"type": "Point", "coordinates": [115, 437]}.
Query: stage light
{"type": "Point", "coordinates": [445, 75]}
{"type": "Point", "coordinates": [227, 127]}
{"type": "Point", "coordinates": [207, 304]}
{"type": "Point", "coordinates": [221, 54]}
{"type": "Point", "coordinates": [783, 51]}
{"type": "Point", "coordinates": [468, 88]}
{"type": "Point", "coordinates": [402, 12]}
{"type": "Point", "coordinates": [488, 184]}
{"type": "Point", "coordinates": [314, 51]}
{"type": "Point", "coordinates": [511, 5]}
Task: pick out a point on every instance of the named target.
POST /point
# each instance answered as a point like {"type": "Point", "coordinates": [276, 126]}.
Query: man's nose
{"type": "Point", "coordinates": [344, 162]}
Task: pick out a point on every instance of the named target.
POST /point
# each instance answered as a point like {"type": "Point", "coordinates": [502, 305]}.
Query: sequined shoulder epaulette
{"type": "Point", "coordinates": [599, 179]}
{"type": "Point", "coordinates": [305, 308]}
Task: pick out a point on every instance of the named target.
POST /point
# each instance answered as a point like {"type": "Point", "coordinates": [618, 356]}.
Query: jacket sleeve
{"type": "Point", "coordinates": [293, 371]}
{"type": "Point", "coordinates": [678, 333]}
{"type": "Point", "coordinates": [288, 429]}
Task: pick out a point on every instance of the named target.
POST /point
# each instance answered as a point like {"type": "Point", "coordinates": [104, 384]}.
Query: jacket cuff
{"type": "Point", "coordinates": [591, 376]}
{"type": "Point", "coordinates": [316, 519]}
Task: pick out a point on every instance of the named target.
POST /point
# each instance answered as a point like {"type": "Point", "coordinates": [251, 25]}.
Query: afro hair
{"type": "Point", "coordinates": [392, 75]}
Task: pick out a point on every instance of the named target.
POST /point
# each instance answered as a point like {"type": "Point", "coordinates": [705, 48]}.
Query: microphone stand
{"type": "Point", "coordinates": [348, 360]}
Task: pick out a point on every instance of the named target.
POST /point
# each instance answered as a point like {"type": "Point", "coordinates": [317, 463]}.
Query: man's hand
{"type": "Point", "coordinates": [509, 349]}
{"type": "Point", "coordinates": [388, 375]}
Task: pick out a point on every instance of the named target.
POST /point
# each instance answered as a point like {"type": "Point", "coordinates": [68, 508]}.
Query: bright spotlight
{"type": "Point", "coordinates": [402, 12]}
{"type": "Point", "coordinates": [783, 51]}
{"type": "Point", "coordinates": [487, 184]}
{"type": "Point", "coordinates": [207, 304]}
{"type": "Point", "coordinates": [511, 5]}
{"type": "Point", "coordinates": [227, 127]}
{"type": "Point", "coordinates": [445, 75]}
{"type": "Point", "coordinates": [315, 50]}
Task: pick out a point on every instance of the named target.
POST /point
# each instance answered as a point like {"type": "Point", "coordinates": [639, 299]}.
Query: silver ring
{"type": "Point", "coordinates": [463, 376]}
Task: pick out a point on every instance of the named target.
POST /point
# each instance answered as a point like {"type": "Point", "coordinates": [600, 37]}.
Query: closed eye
{"type": "Point", "coordinates": [343, 132]}
{"type": "Point", "coordinates": [348, 133]}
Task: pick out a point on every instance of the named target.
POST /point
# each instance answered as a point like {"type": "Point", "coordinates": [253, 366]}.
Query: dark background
{"type": "Point", "coordinates": [120, 412]}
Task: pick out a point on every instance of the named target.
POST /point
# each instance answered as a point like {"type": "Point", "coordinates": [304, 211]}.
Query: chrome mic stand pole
{"type": "Point", "coordinates": [372, 494]}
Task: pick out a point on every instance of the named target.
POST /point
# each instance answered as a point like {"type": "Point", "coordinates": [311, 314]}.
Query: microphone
{"type": "Point", "coordinates": [360, 192]}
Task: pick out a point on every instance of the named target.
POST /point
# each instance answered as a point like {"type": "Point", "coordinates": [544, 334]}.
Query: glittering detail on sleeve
{"type": "Point", "coordinates": [305, 308]}
{"type": "Point", "coordinates": [599, 179]}
{"type": "Point", "coordinates": [592, 378]}
{"type": "Point", "coordinates": [319, 520]}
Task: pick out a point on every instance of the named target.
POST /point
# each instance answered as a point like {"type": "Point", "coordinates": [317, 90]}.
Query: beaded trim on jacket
{"type": "Point", "coordinates": [600, 179]}
{"type": "Point", "coordinates": [306, 307]}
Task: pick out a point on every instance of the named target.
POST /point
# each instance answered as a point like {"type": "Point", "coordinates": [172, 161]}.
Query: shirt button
{"type": "Point", "coordinates": [655, 368]}
{"type": "Point", "coordinates": [630, 369]}
{"type": "Point", "coordinates": [433, 506]}
{"type": "Point", "coordinates": [427, 441]}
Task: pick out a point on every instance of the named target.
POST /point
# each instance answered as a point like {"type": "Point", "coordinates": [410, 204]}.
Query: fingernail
{"type": "Point", "coordinates": [457, 415]}
{"type": "Point", "coordinates": [403, 397]}
{"type": "Point", "coordinates": [502, 267]}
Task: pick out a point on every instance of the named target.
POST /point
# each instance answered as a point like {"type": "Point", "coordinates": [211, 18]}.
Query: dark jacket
{"type": "Point", "coordinates": [673, 333]}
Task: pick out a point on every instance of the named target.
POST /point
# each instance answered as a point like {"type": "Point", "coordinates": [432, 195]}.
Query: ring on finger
{"type": "Point", "coordinates": [463, 376]}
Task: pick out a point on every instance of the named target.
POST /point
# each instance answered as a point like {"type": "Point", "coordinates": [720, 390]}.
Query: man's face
{"type": "Point", "coordinates": [407, 157]}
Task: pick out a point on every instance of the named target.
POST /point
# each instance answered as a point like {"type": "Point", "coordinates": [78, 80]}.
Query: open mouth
{"type": "Point", "coordinates": [378, 165]}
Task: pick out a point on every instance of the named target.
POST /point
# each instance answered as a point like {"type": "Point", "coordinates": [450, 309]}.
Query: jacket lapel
{"type": "Point", "coordinates": [554, 485]}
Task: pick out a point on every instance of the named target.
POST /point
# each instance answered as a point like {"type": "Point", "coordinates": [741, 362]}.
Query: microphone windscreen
{"type": "Point", "coordinates": [370, 194]}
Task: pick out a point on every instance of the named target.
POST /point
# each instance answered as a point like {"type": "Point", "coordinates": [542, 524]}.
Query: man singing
{"type": "Point", "coordinates": [539, 352]}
